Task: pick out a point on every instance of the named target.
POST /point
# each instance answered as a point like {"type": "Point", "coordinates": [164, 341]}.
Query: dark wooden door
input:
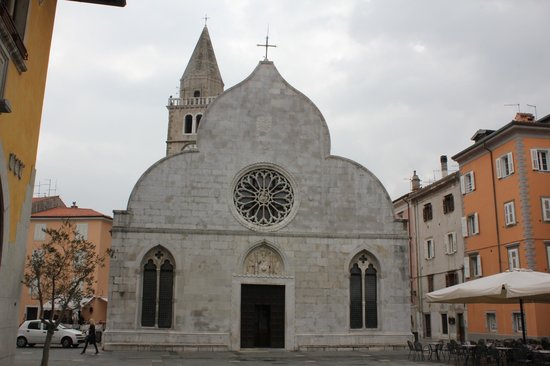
{"type": "Point", "coordinates": [262, 316]}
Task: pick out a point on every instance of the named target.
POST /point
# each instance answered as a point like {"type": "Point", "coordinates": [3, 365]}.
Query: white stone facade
{"type": "Point", "coordinates": [185, 206]}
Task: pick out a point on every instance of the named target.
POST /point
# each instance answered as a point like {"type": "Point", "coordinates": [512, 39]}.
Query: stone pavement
{"type": "Point", "coordinates": [72, 357]}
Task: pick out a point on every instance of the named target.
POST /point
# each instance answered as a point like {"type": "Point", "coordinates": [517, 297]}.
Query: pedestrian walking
{"type": "Point", "coordinates": [90, 338]}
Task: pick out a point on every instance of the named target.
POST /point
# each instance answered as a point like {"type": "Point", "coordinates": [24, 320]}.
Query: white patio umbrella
{"type": "Point", "coordinates": [508, 287]}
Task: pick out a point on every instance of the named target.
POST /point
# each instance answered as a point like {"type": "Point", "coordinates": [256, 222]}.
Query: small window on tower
{"type": "Point", "coordinates": [197, 93]}
{"type": "Point", "coordinates": [199, 117]}
{"type": "Point", "coordinates": [188, 127]}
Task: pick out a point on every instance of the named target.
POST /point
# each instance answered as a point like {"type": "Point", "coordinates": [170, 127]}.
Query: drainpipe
{"type": "Point", "coordinates": [495, 205]}
{"type": "Point", "coordinates": [410, 238]}
{"type": "Point", "coordinates": [419, 271]}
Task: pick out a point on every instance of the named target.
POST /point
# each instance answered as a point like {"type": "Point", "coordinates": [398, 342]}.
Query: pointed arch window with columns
{"type": "Point", "coordinates": [157, 288]}
{"type": "Point", "coordinates": [363, 286]}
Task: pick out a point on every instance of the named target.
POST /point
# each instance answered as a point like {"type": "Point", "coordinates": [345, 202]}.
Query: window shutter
{"type": "Point", "coordinates": [446, 241]}
{"type": "Point", "coordinates": [464, 226]}
{"type": "Point", "coordinates": [535, 159]}
{"type": "Point", "coordinates": [462, 185]}
{"type": "Point", "coordinates": [498, 162]}
{"type": "Point", "coordinates": [512, 213]}
{"type": "Point", "coordinates": [473, 181]}
{"type": "Point", "coordinates": [511, 162]}
{"type": "Point", "coordinates": [453, 247]}
{"type": "Point", "coordinates": [475, 229]}
{"type": "Point", "coordinates": [546, 210]}
{"type": "Point", "coordinates": [479, 266]}
{"type": "Point", "coordinates": [467, 267]}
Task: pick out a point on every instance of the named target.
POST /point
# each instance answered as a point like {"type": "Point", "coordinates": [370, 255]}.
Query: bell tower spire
{"type": "Point", "coordinates": [200, 84]}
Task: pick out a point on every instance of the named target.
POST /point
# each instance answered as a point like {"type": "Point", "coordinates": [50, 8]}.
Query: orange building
{"type": "Point", "coordinates": [51, 212]}
{"type": "Point", "coordinates": [505, 181]}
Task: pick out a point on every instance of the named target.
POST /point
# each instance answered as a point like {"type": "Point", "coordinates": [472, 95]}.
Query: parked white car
{"type": "Point", "coordinates": [32, 332]}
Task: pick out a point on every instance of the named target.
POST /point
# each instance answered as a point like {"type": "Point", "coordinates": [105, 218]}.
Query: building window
{"type": "Point", "coordinates": [472, 266]}
{"type": "Point", "coordinates": [470, 225]}
{"type": "Point", "coordinates": [363, 294]}
{"type": "Point", "coordinates": [427, 212]}
{"type": "Point", "coordinates": [39, 233]}
{"type": "Point", "coordinates": [444, 324]}
{"type": "Point", "coordinates": [547, 255]}
{"type": "Point", "coordinates": [197, 93]}
{"type": "Point", "coordinates": [448, 204]}
{"type": "Point", "coordinates": [188, 125]}
{"type": "Point", "coordinates": [509, 213]}
{"type": "Point", "coordinates": [540, 159]}
{"type": "Point", "coordinates": [467, 183]}
{"type": "Point", "coordinates": [157, 289]}
{"type": "Point", "coordinates": [505, 165]}
{"type": "Point", "coordinates": [450, 243]}
{"type": "Point", "coordinates": [429, 248]}
{"type": "Point", "coordinates": [82, 231]}
{"type": "Point", "coordinates": [491, 319]}
{"type": "Point", "coordinates": [430, 279]}
{"type": "Point", "coordinates": [427, 326]}
{"type": "Point", "coordinates": [4, 60]}
{"type": "Point", "coordinates": [198, 118]}
{"type": "Point", "coordinates": [513, 258]}
{"type": "Point", "coordinates": [451, 279]}
{"type": "Point", "coordinates": [516, 322]}
{"type": "Point", "coordinates": [545, 203]}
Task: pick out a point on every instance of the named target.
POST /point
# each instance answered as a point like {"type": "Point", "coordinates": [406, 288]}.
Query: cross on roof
{"type": "Point", "coordinates": [266, 45]}
{"type": "Point", "coordinates": [206, 17]}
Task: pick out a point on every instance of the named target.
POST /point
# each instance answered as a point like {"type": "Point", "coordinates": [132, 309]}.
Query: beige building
{"type": "Point", "coordinates": [433, 214]}
{"type": "Point", "coordinates": [50, 213]}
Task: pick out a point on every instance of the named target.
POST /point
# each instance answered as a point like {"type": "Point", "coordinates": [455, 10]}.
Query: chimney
{"type": "Point", "coordinates": [524, 117]}
{"type": "Point", "coordinates": [74, 205]}
{"type": "Point", "coordinates": [415, 182]}
{"type": "Point", "coordinates": [444, 169]}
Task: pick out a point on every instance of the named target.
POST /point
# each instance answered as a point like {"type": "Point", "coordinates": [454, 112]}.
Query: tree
{"type": "Point", "coordinates": [61, 272]}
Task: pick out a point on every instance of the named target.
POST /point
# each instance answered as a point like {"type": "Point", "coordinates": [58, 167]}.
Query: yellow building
{"type": "Point", "coordinates": [50, 213]}
{"type": "Point", "coordinates": [25, 37]}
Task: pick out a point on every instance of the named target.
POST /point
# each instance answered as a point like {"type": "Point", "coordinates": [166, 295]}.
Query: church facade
{"type": "Point", "coordinates": [250, 234]}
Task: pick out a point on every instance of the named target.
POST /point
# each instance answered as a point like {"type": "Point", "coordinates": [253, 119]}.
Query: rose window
{"type": "Point", "coordinates": [263, 197]}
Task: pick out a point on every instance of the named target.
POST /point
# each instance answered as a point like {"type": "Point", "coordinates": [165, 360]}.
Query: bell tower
{"type": "Point", "coordinates": [200, 84]}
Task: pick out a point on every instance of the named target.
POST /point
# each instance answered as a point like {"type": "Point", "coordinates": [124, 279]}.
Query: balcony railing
{"type": "Point", "coordinates": [199, 101]}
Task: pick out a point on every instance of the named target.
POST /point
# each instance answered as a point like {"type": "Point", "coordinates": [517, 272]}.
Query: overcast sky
{"type": "Point", "coordinates": [399, 82]}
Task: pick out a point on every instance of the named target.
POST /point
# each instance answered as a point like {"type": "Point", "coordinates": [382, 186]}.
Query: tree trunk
{"type": "Point", "coordinates": [46, 350]}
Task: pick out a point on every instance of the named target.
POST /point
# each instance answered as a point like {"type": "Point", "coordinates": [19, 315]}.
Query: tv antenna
{"type": "Point", "coordinates": [49, 191]}
{"type": "Point", "coordinates": [535, 107]}
{"type": "Point", "coordinates": [513, 105]}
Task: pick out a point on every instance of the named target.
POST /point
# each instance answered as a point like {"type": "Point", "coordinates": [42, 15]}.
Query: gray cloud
{"type": "Point", "coordinates": [399, 82]}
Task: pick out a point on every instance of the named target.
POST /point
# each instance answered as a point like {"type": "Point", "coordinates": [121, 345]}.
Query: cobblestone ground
{"type": "Point", "coordinates": [72, 357]}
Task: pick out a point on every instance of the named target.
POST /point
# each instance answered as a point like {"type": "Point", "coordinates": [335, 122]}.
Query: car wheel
{"type": "Point", "coordinates": [21, 342]}
{"type": "Point", "coordinates": [66, 342]}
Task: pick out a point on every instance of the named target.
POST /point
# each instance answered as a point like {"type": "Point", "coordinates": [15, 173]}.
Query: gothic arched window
{"type": "Point", "coordinates": [188, 126]}
{"type": "Point", "coordinates": [199, 117]}
{"type": "Point", "coordinates": [363, 287]}
{"type": "Point", "coordinates": [157, 289]}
